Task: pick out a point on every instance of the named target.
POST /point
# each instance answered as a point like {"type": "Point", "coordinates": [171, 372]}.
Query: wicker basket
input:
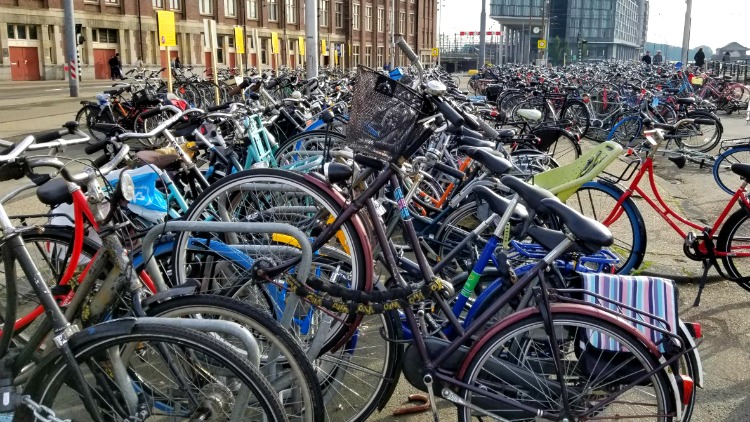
{"type": "Point", "coordinates": [145, 97]}
{"type": "Point", "coordinates": [383, 117]}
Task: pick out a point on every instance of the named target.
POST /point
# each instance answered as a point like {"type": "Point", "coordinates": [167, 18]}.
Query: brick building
{"type": "Point", "coordinates": [357, 31]}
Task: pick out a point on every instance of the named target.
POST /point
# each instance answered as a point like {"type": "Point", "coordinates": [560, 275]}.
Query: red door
{"type": "Point", "coordinates": [209, 69]}
{"type": "Point", "coordinates": [292, 62]}
{"type": "Point", "coordinates": [24, 64]}
{"type": "Point", "coordinates": [172, 54]}
{"type": "Point", "coordinates": [101, 62]}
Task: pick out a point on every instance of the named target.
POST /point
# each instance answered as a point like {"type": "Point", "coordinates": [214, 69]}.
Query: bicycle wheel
{"type": "Point", "coordinates": [727, 180]}
{"type": "Point", "coordinates": [517, 363]}
{"type": "Point", "coordinates": [597, 200]}
{"type": "Point", "coordinates": [561, 144]}
{"type": "Point", "coordinates": [273, 195]}
{"type": "Point", "coordinates": [734, 241]}
{"type": "Point", "coordinates": [576, 112]}
{"type": "Point", "coordinates": [625, 130]}
{"type": "Point", "coordinates": [699, 137]}
{"type": "Point", "coordinates": [283, 362]}
{"type": "Point", "coordinates": [90, 115]}
{"type": "Point", "coordinates": [169, 372]}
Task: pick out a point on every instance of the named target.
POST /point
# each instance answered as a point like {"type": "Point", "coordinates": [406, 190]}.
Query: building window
{"type": "Point", "coordinates": [339, 14]}
{"type": "Point", "coordinates": [263, 51]}
{"type": "Point", "coordinates": [412, 24]}
{"type": "Point", "coordinates": [22, 32]}
{"type": "Point", "coordinates": [230, 8]}
{"type": "Point", "coordinates": [368, 56]}
{"type": "Point", "coordinates": [157, 4]}
{"type": "Point", "coordinates": [219, 49]}
{"type": "Point", "coordinates": [355, 16]}
{"type": "Point", "coordinates": [230, 42]}
{"type": "Point", "coordinates": [175, 4]}
{"type": "Point", "coordinates": [205, 7]}
{"type": "Point", "coordinates": [291, 12]}
{"type": "Point", "coordinates": [105, 36]}
{"type": "Point", "coordinates": [355, 55]}
{"type": "Point", "coordinates": [381, 55]}
{"type": "Point", "coordinates": [252, 9]}
{"type": "Point", "coordinates": [273, 11]}
{"type": "Point", "coordinates": [381, 19]}
{"type": "Point", "coordinates": [368, 18]}
{"type": "Point", "coordinates": [323, 13]}
{"type": "Point", "coordinates": [401, 19]}
{"type": "Point", "coordinates": [111, 2]}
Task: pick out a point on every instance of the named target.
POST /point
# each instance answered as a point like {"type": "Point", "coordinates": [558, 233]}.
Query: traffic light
{"type": "Point", "coordinates": [80, 39]}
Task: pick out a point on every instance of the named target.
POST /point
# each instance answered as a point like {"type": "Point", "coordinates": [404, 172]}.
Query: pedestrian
{"type": "Point", "coordinates": [177, 64]}
{"type": "Point", "coordinates": [646, 58]}
{"type": "Point", "coordinates": [139, 65]}
{"type": "Point", "coordinates": [658, 58]}
{"type": "Point", "coordinates": [115, 67]}
{"type": "Point", "coordinates": [727, 58]}
{"type": "Point", "coordinates": [700, 58]}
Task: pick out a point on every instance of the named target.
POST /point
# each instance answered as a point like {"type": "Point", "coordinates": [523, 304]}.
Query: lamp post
{"type": "Point", "coordinates": [482, 34]}
{"type": "Point", "coordinates": [686, 31]}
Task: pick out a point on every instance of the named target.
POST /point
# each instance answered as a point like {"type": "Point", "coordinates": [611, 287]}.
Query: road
{"type": "Point", "coordinates": [31, 107]}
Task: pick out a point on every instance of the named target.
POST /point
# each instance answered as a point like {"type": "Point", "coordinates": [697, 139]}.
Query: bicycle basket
{"type": "Point", "coordinates": [383, 117]}
{"type": "Point", "coordinates": [145, 97]}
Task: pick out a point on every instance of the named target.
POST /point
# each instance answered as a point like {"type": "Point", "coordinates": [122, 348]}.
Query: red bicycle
{"type": "Point", "coordinates": [727, 240]}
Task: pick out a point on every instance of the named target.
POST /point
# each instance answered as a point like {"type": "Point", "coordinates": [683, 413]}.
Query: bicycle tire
{"type": "Point", "coordinates": [561, 144]}
{"type": "Point", "coordinates": [578, 114]}
{"type": "Point", "coordinates": [722, 169]}
{"type": "Point", "coordinates": [270, 336]}
{"type": "Point", "coordinates": [527, 338]}
{"type": "Point", "coordinates": [626, 130]}
{"type": "Point", "coordinates": [307, 193]}
{"type": "Point", "coordinates": [690, 135]}
{"type": "Point", "coordinates": [734, 238]}
{"type": "Point", "coordinates": [91, 346]}
{"type": "Point", "coordinates": [630, 234]}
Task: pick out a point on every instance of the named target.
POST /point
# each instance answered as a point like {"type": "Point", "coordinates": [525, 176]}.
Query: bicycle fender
{"type": "Point", "coordinates": [691, 344]}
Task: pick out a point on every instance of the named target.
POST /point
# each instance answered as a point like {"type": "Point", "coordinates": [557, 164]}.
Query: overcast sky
{"type": "Point", "coordinates": [715, 22]}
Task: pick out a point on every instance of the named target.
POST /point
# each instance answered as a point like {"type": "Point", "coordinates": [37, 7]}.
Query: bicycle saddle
{"type": "Point", "coordinates": [474, 142]}
{"type": "Point", "coordinates": [531, 195]}
{"type": "Point", "coordinates": [590, 234]}
{"type": "Point", "coordinates": [548, 238]}
{"type": "Point", "coordinates": [54, 192]}
{"type": "Point", "coordinates": [530, 114]}
{"type": "Point", "coordinates": [742, 170]}
{"type": "Point", "coordinates": [506, 133]}
{"type": "Point", "coordinates": [687, 101]}
{"type": "Point", "coordinates": [499, 205]}
{"type": "Point", "coordinates": [486, 157]}
{"type": "Point", "coordinates": [162, 161]}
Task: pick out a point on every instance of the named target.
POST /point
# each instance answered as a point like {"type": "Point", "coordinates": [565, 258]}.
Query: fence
{"type": "Point", "coordinates": [739, 71]}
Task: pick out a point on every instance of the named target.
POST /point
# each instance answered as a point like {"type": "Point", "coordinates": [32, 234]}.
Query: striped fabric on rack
{"type": "Point", "coordinates": [651, 295]}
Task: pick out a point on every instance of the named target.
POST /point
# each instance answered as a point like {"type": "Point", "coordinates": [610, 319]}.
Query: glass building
{"type": "Point", "coordinates": [613, 29]}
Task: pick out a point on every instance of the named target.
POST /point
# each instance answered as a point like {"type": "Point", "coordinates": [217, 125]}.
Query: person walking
{"type": "Point", "coordinates": [115, 67]}
{"type": "Point", "coordinates": [700, 58]}
{"type": "Point", "coordinates": [139, 65]}
{"type": "Point", "coordinates": [658, 58]}
{"type": "Point", "coordinates": [177, 63]}
{"type": "Point", "coordinates": [726, 58]}
{"type": "Point", "coordinates": [646, 58]}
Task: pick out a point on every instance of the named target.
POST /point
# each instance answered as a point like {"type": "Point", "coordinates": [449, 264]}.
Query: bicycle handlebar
{"type": "Point", "coordinates": [401, 42]}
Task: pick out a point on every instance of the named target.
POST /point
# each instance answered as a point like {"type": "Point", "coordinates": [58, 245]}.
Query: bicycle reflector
{"type": "Point", "coordinates": [695, 329]}
{"type": "Point", "coordinates": [686, 385]}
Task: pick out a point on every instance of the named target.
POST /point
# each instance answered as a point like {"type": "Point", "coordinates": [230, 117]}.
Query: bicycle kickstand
{"type": "Point", "coordinates": [702, 285]}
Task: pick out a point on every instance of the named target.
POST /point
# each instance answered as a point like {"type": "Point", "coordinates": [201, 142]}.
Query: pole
{"type": "Point", "coordinates": [311, 38]}
{"type": "Point", "coordinates": [70, 47]}
{"type": "Point", "coordinates": [580, 47]}
{"type": "Point", "coordinates": [686, 32]}
{"type": "Point", "coordinates": [440, 37]}
{"type": "Point", "coordinates": [393, 33]}
{"type": "Point", "coordinates": [169, 70]}
{"type": "Point", "coordinates": [482, 34]}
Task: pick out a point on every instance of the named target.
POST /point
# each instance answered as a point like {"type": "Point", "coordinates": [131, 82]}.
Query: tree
{"type": "Point", "coordinates": [557, 51]}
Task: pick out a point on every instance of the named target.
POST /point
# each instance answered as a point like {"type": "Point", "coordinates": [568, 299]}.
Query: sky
{"type": "Point", "coordinates": [715, 22]}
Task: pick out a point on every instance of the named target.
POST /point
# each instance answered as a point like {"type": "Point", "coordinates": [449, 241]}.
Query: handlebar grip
{"type": "Point", "coordinates": [149, 113]}
{"type": "Point", "coordinates": [102, 160]}
{"type": "Point", "coordinates": [444, 168]}
{"type": "Point", "coordinates": [710, 122]}
{"type": "Point", "coordinates": [94, 148]}
{"type": "Point", "coordinates": [401, 42]}
{"type": "Point", "coordinates": [471, 133]}
{"type": "Point", "coordinates": [449, 112]}
{"type": "Point", "coordinates": [47, 136]}
{"type": "Point", "coordinates": [218, 107]}
{"type": "Point", "coordinates": [664, 126]}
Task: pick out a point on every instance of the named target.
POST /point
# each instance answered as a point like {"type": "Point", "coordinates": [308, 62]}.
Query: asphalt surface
{"type": "Point", "coordinates": [39, 106]}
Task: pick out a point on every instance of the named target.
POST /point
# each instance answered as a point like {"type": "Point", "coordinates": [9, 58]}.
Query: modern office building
{"type": "Point", "coordinates": [612, 29]}
{"type": "Point", "coordinates": [355, 31]}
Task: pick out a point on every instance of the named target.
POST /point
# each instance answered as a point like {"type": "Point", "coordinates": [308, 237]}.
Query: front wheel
{"type": "Point", "coordinates": [578, 115]}
{"type": "Point", "coordinates": [727, 180]}
{"type": "Point", "coordinates": [518, 363]}
{"type": "Point", "coordinates": [599, 200]}
{"type": "Point", "coordinates": [734, 245]}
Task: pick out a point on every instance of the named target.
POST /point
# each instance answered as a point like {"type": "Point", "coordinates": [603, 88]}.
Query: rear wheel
{"type": "Point", "coordinates": [734, 240]}
{"type": "Point", "coordinates": [727, 180]}
{"type": "Point", "coordinates": [697, 136]}
{"type": "Point", "coordinates": [578, 115]}
{"type": "Point", "coordinates": [517, 364]}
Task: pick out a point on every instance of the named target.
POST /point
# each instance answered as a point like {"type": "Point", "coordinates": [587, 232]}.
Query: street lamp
{"type": "Point", "coordinates": [580, 42]}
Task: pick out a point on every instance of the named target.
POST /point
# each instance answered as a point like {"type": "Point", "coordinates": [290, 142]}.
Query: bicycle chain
{"type": "Point", "coordinates": [41, 413]}
{"type": "Point", "coordinates": [360, 302]}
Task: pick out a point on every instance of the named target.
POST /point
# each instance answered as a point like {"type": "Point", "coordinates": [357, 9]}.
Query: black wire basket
{"type": "Point", "coordinates": [383, 117]}
{"type": "Point", "coordinates": [145, 97]}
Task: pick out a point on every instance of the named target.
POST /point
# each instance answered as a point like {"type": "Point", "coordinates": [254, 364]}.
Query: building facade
{"type": "Point", "coordinates": [355, 32]}
{"type": "Point", "coordinates": [612, 29]}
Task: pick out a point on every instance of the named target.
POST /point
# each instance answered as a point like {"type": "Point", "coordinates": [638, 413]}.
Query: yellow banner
{"type": "Point", "coordinates": [335, 56]}
{"type": "Point", "coordinates": [165, 21]}
{"type": "Point", "coordinates": [239, 40]}
{"type": "Point", "coordinates": [301, 42]}
{"type": "Point", "coordinates": [323, 49]}
{"type": "Point", "coordinates": [274, 43]}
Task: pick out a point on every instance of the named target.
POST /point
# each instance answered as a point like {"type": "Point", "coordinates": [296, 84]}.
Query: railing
{"type": "Point", "coordinates": [738, 71]}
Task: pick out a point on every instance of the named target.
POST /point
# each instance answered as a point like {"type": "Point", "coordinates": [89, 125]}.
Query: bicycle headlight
{"type": "Point", "coordinates": [125, 187]}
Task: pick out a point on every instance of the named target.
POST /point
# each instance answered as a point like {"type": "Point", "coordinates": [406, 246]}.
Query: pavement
{"type": "Point", "coordinates": [38, 106]}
